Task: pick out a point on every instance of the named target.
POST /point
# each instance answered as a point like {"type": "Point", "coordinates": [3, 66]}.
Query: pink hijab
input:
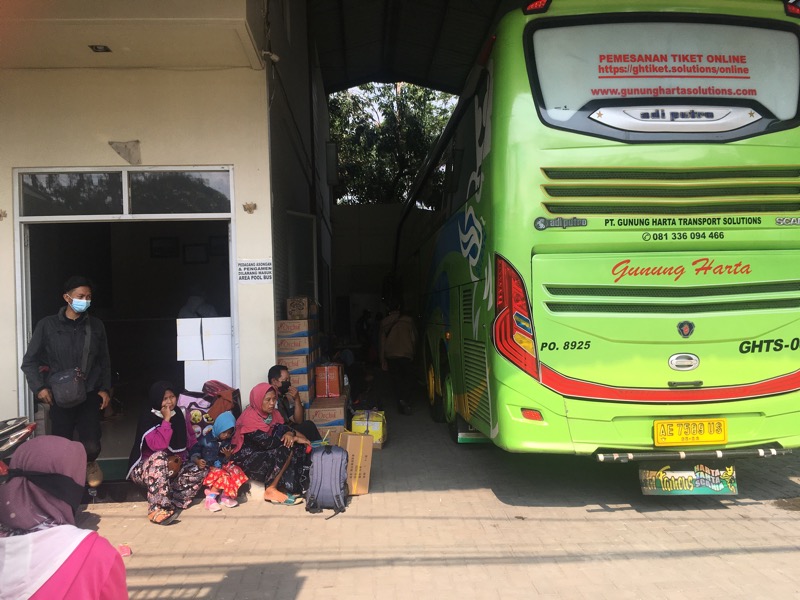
{"type": "Point", "coordinates": [253, 418]}
{"type": "Point", "coordinates": [51, 473]}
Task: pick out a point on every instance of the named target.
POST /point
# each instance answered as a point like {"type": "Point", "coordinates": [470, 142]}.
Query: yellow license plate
{"type": "Point", "coordinates": [690, 432]}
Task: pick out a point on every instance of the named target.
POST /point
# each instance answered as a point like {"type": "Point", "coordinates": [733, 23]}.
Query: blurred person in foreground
{"type": "Point", "coordinates": [43, 555]}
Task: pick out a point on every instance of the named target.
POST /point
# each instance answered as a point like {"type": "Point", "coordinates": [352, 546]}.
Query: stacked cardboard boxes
{"type": "Point", "coordinates": [298, 345]}
{"type": "Point", "coordinates": [329, 415]}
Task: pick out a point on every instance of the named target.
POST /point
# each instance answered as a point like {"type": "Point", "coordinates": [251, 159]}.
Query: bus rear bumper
{"type": "Point", "coordinates": [593, 428]}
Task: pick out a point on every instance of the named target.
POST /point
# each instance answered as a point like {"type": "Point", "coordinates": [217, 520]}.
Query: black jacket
{"type": "Point", "coordinates": [57, 344]}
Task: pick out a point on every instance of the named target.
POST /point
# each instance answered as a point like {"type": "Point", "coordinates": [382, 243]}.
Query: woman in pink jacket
{"type": "Point", "coordinates": [159, 459]}
{"type": "Point", "coordinates": [43, 556]}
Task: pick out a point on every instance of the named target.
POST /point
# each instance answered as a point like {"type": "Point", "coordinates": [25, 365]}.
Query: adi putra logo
{"type": "Point", "coordinates": [541, 223]}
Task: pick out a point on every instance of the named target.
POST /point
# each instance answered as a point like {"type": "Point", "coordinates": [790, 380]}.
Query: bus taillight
{"type": "Point", "coordinates": [539, 6]}
{"type": "Point", "coordinates": [513, 326]}
{"type": "Point", "coordinates": [792, 8]}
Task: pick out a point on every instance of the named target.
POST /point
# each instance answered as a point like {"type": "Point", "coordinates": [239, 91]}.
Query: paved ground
{"type": "Point", "coordinates": [447, 521]}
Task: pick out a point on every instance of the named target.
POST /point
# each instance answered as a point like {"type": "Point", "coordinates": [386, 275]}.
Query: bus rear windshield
{"type": "Point", "coordinates": [645, 68]}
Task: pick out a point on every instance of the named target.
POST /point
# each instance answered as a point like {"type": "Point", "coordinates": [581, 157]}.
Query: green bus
{"type": "Point", "coordinates": [604, 244]}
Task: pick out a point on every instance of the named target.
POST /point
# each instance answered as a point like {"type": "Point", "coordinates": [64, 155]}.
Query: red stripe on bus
{"type": "Point", "coordinates": [576, 388]}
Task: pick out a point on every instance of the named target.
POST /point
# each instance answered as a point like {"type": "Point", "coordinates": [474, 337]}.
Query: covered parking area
{"type": "Point", "coordinates": [231, 95]}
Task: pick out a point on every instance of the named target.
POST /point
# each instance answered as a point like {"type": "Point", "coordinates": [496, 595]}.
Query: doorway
{"type": "Point", "coordinates": [144, 272]}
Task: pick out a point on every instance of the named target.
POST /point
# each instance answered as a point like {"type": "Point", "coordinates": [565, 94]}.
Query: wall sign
{"type": "Point", "coordinates": [255, 271]}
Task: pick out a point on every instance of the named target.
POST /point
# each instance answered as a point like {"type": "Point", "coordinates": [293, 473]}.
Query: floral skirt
{"type": "Point", "coordinates": [228, 478]}
{"type": "Point", "coordinates": [163, 492]}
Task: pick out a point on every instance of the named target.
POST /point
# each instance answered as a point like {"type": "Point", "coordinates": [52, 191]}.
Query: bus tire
{"type": "Point", "coordinates": [448, 405]}
{"type": "Point", "coordinates": [456, 426]}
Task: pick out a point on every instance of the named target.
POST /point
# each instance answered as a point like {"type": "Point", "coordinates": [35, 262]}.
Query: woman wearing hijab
{"type": "Point", "coordinates": [270, 451]}
{"type": "Point", "coordinates": [43, 555]}
{"type": "Point", "coordinates": [159, 458]}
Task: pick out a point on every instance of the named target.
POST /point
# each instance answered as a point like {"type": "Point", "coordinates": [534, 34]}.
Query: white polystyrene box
{"type": "Point", "coordinates": [190, 347]}
{"type": "Point", "coordinates": [190, 344]}
{"type": "Point", "coordinates": [197, 372]}
{"type": "Point", "coordinates": [217, 339]}
{"type": "Point", "coordinates": [189, 327]}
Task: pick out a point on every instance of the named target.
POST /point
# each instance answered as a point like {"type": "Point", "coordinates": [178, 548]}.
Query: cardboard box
{"type": "Point", "coordinates": [296, 328]}
{"type": "Point", "coordinates": [329, 380]}
{"type": "Point", "coordinates": [331, 433]}
{"type": "Point", "coordinates": [359, 460]}
{"type": "Point", "coordinates": [296, 364]}
{"type": "Point", "coordinates": [327, 412]}
{"type": "Point", "coordinates": [300, 307]}
{"type": "Point", "coordinates": [372, 422]}
{"type": "Point", "coordinates": [296, 345]}
{"type": "Point", "coordinates": [301, 381]}
{"type": "Point", "coordinates": [306, 397]}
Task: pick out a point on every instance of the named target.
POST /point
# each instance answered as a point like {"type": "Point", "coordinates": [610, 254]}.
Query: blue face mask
{"type": "Point", "coordinates": [79, 305]}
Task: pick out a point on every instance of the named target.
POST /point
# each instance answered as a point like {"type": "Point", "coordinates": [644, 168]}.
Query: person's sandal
{"type": "Point", "coordinates": [94, 474]}
{"type": "Point", "coordinates": [162, 516]}
{"type": "Point", "coordinates": [291, 500]}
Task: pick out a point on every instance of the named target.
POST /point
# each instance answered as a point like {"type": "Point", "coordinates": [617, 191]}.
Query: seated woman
{"type": "Point", "coordinates": [159, 456]}
{"type": "Point", "coordinates": [267, 449]}
{"type": "Point", "coordinates": [44, 556]}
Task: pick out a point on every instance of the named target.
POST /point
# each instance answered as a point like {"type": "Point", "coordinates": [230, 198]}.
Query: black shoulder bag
{"type": "Point", "coordinates": [69, 386]}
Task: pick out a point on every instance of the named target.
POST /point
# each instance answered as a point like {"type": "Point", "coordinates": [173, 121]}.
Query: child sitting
{"type": "Point", "coordinates": [214, 450]}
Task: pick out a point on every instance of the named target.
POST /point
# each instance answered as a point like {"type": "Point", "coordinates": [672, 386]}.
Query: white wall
{"type": "Point", "coordinates": [64, 118]}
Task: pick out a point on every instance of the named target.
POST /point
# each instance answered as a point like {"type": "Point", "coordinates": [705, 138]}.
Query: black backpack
{"type": "Point", "coordinates": [327, 480]}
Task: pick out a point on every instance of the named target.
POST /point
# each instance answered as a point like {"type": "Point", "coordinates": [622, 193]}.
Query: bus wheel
{"type": "Point", "coordinates": [435, 402]}
{"type": "Point", "coordinates": [449, 407]}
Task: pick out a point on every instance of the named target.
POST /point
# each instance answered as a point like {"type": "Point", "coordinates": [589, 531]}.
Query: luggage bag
{"type": "Point", "coordinates": [327, 480]}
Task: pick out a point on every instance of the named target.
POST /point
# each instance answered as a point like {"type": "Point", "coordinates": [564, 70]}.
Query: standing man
{"type": "Point", "coordinates": [363, 325]}
{"type": "Point", "coordinates": [59, 343]}
{"type": "Point", "coordinates": [289, 404]}
{"type": "Point", "coordinates": [398, 341]}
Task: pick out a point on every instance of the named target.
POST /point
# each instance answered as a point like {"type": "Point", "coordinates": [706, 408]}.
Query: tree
{"type": "Point", "coordinates": [384, 132]}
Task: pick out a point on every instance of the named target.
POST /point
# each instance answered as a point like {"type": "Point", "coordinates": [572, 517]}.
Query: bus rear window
{"type": "Point", "coordinates": [676, 79]}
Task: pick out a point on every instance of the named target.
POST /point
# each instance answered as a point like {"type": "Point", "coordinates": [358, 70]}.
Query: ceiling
{"type": "Point", "coordinates": [54, 34]}
{"type": "Point", "coordinates": [432, 43]}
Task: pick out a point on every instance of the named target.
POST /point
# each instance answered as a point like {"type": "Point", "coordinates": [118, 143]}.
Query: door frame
{"type": "Point", "coordinates": [22, 274]}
